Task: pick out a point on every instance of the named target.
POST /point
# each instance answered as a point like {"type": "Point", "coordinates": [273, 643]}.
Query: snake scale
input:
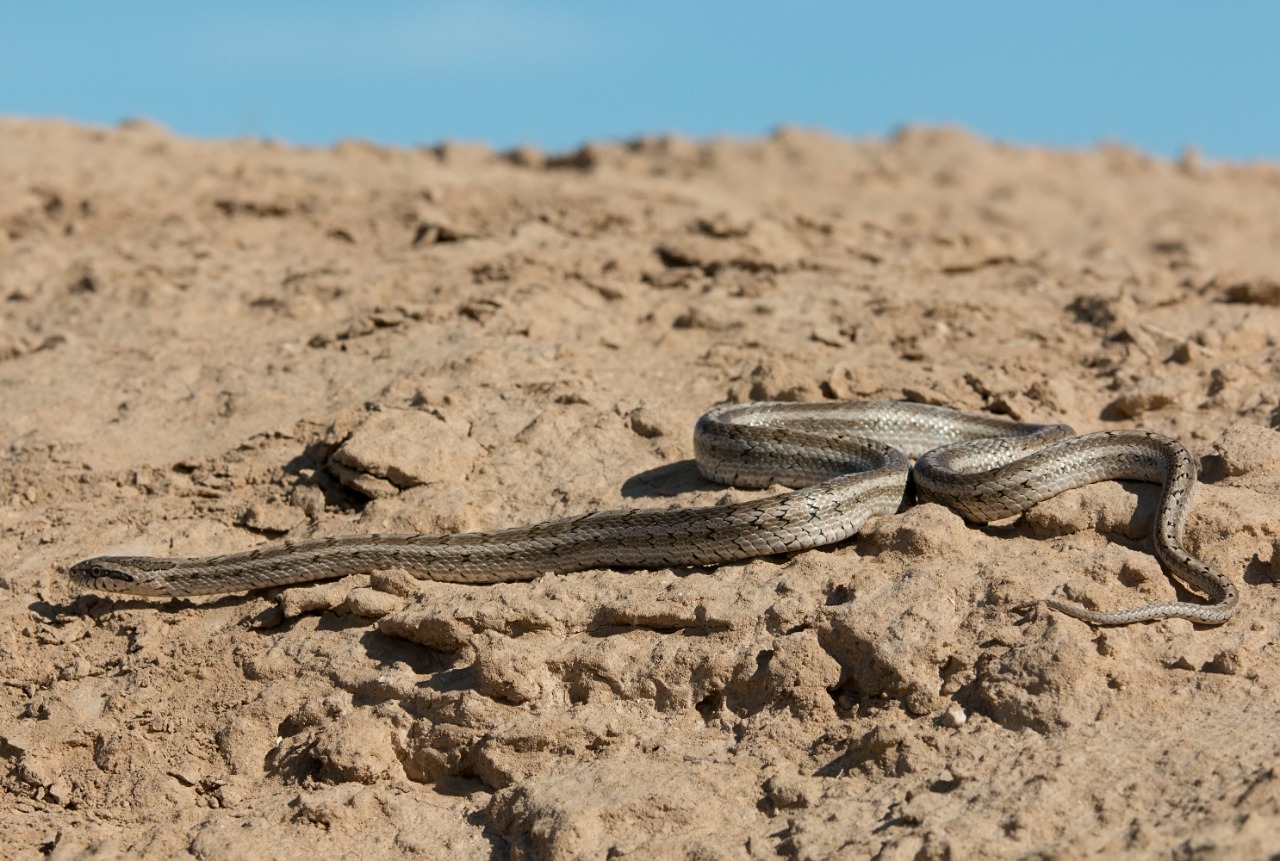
{"type": "Point", "coordinates": [846, 462]}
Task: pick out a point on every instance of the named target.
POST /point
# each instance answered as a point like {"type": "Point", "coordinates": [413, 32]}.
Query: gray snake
{"type": "Point", "coordinates": [846, 461]}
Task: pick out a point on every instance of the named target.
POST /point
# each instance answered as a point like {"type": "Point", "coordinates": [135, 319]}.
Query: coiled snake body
{"type": "Point", "coordinates": [848, 461]}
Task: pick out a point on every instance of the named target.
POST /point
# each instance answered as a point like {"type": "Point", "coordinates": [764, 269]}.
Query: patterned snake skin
{"type": "Point", "coordinates": [848, 461]}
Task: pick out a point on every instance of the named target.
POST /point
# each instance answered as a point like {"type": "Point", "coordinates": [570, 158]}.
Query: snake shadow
{"type": "Point", "coordinates": [96, 605]}
{"type": "Point", "coordinates": [672, 479]}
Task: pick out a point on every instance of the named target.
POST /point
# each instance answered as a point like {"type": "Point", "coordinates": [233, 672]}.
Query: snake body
{"type": "Point", "coordinates": [846, 461]}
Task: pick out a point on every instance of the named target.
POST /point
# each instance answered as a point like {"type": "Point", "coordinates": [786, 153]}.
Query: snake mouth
{"type": "Point", "coordinates": [94, 572]}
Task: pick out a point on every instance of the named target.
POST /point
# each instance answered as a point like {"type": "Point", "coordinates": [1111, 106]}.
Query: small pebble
{"type": "Point", "coordinates": [59, 792]}
{"type": "Point", "coordinates": [1228, 662]}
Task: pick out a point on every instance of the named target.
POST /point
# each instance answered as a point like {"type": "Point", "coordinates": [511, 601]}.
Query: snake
{"type": "Point", "coordinates": [843, 462]}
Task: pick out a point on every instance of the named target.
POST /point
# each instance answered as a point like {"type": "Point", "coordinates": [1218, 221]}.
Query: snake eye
{"type": "Point", "coordinates": [100, 573]}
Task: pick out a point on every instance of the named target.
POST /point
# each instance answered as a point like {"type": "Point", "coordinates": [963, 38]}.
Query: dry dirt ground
{"type": "Point", "coordinates": [209, 346]}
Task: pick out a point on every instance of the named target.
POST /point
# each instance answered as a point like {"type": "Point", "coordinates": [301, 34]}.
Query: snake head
{"type": "Point", "coordinates": [116, 574]}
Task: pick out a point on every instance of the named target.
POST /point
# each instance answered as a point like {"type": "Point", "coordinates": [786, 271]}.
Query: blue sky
{"type": "Point", "coordinates": [1156, 75]}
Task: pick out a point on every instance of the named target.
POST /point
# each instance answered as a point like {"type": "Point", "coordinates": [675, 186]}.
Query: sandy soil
{"type": "Point", "coordinates": [206, 347]}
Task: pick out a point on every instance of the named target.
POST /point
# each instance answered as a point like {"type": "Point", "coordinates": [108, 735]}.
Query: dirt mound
{"type": "Point", "coordinates": [207, 346]}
